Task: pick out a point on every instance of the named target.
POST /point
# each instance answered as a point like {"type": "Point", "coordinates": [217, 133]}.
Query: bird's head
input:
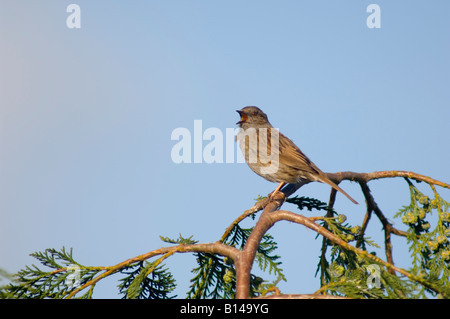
{"type": "Point", "coordinates": [252, 116]}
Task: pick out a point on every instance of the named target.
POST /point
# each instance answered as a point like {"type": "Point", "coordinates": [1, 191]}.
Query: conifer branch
{"type": "Point", "coordinates": [366, 177]}
{"type": "Point", "coordinates": [212, 248]}
{"type": "Point", "coordinates": [300, 219]}
{"type": "Point", "coordinates": [225, 266]}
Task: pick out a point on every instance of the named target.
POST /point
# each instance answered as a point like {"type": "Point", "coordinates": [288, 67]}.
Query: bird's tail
{"type": "Point", "coordinates": [329, 182]}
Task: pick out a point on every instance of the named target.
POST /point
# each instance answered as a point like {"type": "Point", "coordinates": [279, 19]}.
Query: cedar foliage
{"type": "Point", "coordinates": [342, 272]}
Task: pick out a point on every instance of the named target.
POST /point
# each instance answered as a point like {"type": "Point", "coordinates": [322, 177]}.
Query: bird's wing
{"type": "Point", "coordinates": [292, 156]}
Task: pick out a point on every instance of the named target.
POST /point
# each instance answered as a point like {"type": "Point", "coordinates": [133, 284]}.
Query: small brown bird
{"type": "Point", "coordinates": [272, 155]}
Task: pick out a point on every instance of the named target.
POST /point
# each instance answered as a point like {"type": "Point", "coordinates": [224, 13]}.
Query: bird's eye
{"type": "Point", "coordinates": [254, 112]}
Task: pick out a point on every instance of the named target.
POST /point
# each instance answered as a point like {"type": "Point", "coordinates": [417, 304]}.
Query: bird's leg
{"type": "Point", "coordinates": [276, 190]}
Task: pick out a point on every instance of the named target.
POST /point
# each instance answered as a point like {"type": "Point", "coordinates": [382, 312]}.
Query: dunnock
{"type": "Point", "coordinates": [272, 155]}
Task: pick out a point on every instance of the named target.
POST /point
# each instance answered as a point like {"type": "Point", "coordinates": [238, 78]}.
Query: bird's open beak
{"type": "Point", "coordinates": [243, 117]}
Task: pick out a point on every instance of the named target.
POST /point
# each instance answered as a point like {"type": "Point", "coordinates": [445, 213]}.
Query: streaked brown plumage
{"type": "Point", "coordinates": [272, 155]}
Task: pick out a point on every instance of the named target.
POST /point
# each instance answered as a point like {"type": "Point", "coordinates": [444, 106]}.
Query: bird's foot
{"type": "Point", "coordinates": [276, 195]}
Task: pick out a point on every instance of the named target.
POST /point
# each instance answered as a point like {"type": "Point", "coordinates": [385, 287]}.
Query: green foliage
{"type": "Point", "coordinates": [63, 274]}
{"type": "Point", "coordinates": [428, 222]}
{"type": "Point", "coordinates": [146, 280]}
{"type": "Point", "coordinates": [309, 203]}
{"type": "Point", "coordinates": [353, 275]}
{"type": "Point", "coordinates": [344, 270]}
{"type": "Point", "coordinates": [179, 241]}
{"type": "Point", "coordinates": [346, 273]}
{"type": "Point", "coordinates": [216, 277]}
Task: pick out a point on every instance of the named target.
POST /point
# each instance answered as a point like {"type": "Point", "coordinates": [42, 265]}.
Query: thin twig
{"type": "Point", "coordinates": [323, 259]}
{"type": "Point", "coordinates": [257, 207]}
{"type": "Point", "coordinates": [387, 226]}
{"type": "Point", "coordinates": [366, 177]}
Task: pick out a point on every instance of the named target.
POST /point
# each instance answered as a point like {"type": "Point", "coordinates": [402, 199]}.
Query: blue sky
{"type": "Point", "coordinates": [86, 117]}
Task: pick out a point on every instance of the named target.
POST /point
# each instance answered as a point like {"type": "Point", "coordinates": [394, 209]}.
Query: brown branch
{"type": "Point", "coordinates": [257, 207]}
{"type": "Point", "coordinates": [270, 216]}
{"type": "Point", "coordinates": [245, 258]}
{"type": "Point", "coordinates": [364, 225]}
{"type": "Point", "coordinates": [387, 226]}
{"type": "Point", "coordinates": [212, 248]}
{"type": "Point", "coordinates": [324, 240]}
{"type": "Point", "coordinates": [300, 219]}
{"type": "Point", "coordinates": [366, 177]}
